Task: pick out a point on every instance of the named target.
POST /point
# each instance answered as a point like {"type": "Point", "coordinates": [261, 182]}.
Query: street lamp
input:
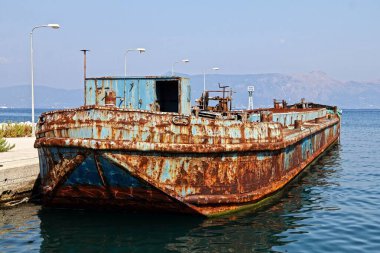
{"type": "Point", "coordinates": [54, 26]}
{"type": "Point", "coordinates": [139, 49]}
{"type": "Point", "coordinates": [182, 61]}
{"type": "Point", "coordinates": [204, 77]}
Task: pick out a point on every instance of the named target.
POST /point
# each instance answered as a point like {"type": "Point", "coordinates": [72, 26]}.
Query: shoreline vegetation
{"type": "Point", "coordinates": [13, 130]}
{"type": "Point", "coordinates": [5, 146]}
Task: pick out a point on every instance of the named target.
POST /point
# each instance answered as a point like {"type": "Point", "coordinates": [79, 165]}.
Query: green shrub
{"type": "Point", "coordinates": [5, 146]}
{"type": "Point", "coordinates": [11, 130]}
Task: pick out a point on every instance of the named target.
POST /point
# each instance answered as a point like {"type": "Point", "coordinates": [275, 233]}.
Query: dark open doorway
{"type": "Point", "coordinates": [167, 95]}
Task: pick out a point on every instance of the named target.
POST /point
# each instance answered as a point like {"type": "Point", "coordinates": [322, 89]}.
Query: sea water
{"type": "Point", "coordinates": [20, 114]}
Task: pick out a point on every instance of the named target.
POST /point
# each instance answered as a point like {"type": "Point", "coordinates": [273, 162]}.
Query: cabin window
{"type": "Point", "coordinates": [167, 96]}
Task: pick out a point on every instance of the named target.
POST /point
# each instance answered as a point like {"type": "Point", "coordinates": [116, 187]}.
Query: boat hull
{"type": "Point", "coordinates": [185, 174]}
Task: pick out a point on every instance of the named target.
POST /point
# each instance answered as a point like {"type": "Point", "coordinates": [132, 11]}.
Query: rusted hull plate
{"type": "Point", "coordinates": [133, 199]}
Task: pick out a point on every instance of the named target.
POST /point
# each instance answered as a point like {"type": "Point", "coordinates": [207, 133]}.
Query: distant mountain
{"type": "Point", "coordinates": [315, 86]}
{"type": "Point", "coordinates": [45, 97]}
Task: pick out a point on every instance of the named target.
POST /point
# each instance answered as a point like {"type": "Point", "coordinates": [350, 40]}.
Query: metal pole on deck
{"type": "Point", "coordinates": [84, 63]}
{"type": "Point", "coordinates": [84, 71]}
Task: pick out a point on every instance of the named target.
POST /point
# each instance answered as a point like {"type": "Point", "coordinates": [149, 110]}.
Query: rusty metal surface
{"type": "Point", "coordinates": [138, 93]}
{"type": "Point", "coordinates": [137, 144]}
{"type": "Point", "coordinates": [113, 125]}
{"type": "Point", "coordinates": [105, 128]}
{"type": "Point", "coordinates": [126, 199]}
{"type": "Point", "coordinates": [208, 165]}
{"type": "Point", "coordinates": [224, 102]}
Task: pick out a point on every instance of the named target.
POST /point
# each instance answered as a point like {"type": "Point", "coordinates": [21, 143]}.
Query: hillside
{"type": "Point", "coordinates": [314, 86]}
{"type": "Point", "coordinates": [45, 97]}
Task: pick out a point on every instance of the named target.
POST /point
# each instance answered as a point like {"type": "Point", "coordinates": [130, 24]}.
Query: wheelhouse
{"type": "Point", "coordinates": [157, 94]}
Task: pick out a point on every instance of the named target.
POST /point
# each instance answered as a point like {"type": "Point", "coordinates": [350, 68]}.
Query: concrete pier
{"type": "Point", "coordinates": [19, 169]}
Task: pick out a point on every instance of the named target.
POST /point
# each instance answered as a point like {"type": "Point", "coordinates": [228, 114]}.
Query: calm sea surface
{"type": "Point", "coordinates": [333, 207]}
{"type": "Point", "coordinates": [20, 114]}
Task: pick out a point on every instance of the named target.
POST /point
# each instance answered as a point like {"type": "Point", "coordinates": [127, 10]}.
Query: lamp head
{"type": "Point", "coordinates": [54, 26]}
{"type": "Point", "coordinates": [140, 49]}
{"type": "Point", "coordinates": [215, 68]}
{"type": "Point", "coordinates": [185, 61]}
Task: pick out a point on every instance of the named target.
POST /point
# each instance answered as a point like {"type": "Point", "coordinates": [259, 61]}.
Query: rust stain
{"type": "Point", "coordinates": [59, 172]}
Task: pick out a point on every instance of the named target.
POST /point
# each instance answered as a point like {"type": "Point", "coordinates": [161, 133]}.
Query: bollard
{"type": "Point", "coordinates": [297, 124]}
{"type": "Point", "coordinates": [266, 116]}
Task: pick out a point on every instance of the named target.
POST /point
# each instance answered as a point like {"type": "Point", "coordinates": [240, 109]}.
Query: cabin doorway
{"type": "Point", "coordinates": [167, 96]}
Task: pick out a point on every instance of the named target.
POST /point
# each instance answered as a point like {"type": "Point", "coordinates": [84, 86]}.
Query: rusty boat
{"type": "Point", "coordinates": [137, 144]}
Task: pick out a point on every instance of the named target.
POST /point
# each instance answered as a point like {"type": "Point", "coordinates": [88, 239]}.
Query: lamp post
{"type": "Point", "coordinates": [181, 61]}
{"type": "Point", "coordinates": [204, 77]}
{"type": "Point", "coordinates": [54, 26]}
{"type": "Point", "coordinates": [139, 49]}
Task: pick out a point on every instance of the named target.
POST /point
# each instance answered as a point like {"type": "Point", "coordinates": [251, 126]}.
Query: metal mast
{"type": "Point", "coordinates": [251, 89]}
{"type": "Point", "coordinates": [84, 71]}
{"type": "Point", "coordinates": [84, 63]}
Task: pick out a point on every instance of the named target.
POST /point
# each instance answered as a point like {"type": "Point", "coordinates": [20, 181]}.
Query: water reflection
{"type": "Point", "coordinates": [263, 230]}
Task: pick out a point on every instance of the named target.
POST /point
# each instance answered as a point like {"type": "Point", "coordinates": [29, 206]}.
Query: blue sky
{"type": "Point", "coordinates": [339, 37]}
